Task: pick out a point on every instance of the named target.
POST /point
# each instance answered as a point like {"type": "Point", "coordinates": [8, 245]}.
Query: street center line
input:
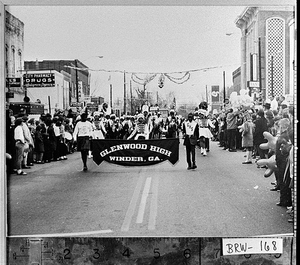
{"type": "Point", "coordinates": [153, 204]}
{"type": "Point", "coordinates": [132, 205]}
{"type": "Point", "coordinates": [141, 212]}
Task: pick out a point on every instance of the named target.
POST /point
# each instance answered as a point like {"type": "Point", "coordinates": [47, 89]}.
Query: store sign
{"type": "Point", "coordinates": [39, 80]}
{"type": "Point", "coordinates": [215, 93]}
{"type": "Point", "coordinates": [10, 95]}
{"type": "Point", "coordinates": [253, 84]}
{"type": "Point", "coordinates": [13, 82]}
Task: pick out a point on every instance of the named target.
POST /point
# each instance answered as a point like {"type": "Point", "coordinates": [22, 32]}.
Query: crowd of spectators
{"type": "Point", "coordinates": [50, 138]}
{"type": "Point", "coordinates": [243, 129]}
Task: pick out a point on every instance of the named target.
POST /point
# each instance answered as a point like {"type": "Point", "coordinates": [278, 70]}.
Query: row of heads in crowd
{"type": "Point", "coordinates": [199, 112]}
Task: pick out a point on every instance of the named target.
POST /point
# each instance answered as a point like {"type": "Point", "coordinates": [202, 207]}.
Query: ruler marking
{"type": "Point", "coordinates": [142, 207]}
{"type": "Point", "coordinates": [132, 206]}
{"type": "Point", "coordinates": [153, 205]}
{"type": "Point", "coordinates": [66, 234]}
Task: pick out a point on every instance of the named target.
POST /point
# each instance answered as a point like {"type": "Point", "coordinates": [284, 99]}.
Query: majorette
{"type": "Point", "coordinates": [204, 132]}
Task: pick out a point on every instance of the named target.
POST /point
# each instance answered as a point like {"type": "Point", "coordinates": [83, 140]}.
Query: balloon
{"type": "Point", "coordinates": [271, 144]}
{"type": "Point", "coordinates": [270, 163]}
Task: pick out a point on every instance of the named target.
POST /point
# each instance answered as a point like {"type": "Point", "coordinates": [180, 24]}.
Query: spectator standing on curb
{"type": "Point", "coordinates": [231, 119]}
{"type": "Point", "coordinates": [20, 145]}
{"type": "Point", "coordinates": [29, 140]}
{"type": "Point", "coordinates": [258, 137]}
{"type": "Point", "coordinates": [282, 155]}
{"type": "Point", "coordinates": [247, 129]}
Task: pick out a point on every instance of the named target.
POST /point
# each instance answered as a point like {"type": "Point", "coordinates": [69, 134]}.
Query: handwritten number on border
{"type": "Point", "coordinates": [187, 253]}
{"type": "Point", "coordinates": [156, 253]}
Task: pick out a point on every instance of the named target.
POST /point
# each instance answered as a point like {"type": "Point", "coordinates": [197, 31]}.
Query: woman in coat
{"type": "Point", "coordinates": [258, 137]}
{"type": "Point", "coordinates": [247, 129]}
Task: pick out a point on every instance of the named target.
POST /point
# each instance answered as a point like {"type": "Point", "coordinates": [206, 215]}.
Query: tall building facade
{"type": "Point", "coordinates": [14, 50]}
{"type": "Point", "coordinates": [267, 50]}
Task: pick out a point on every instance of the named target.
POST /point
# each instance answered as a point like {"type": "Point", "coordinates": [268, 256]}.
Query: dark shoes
{"type": "Point", "coordinates": [282, 204]}
{"type": "Point", "coordinates": [26, 167]}
{"type": "Point", "coordinates": [275, 189]}
{"type": "Point", "coordinates": [192, 167]}
{"type": "Point", "coordinates": [232, 150]}
{"type": "Point", "coordinates": [85, 169]}
{"type": "Point", "coordinates": [247, 162]}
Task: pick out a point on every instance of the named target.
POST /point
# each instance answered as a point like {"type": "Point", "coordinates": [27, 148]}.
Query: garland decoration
{"type": "Point", "coordinates": [142, 81]}
{"type": "Point", "coordinates": [179, 80]}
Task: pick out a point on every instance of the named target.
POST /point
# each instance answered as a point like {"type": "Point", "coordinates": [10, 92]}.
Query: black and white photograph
{"type": "Point", "coordinates": [160, 121]}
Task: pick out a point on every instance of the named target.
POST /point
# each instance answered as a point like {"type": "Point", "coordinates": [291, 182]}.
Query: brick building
{"type": "Point", "coordinates": [267, 50]}
{"type": "Point", "coordinates": [78, 76]}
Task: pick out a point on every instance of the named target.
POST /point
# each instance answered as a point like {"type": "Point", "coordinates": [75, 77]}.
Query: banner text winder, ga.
{"type": "Point", "coordinates": [135, 152]}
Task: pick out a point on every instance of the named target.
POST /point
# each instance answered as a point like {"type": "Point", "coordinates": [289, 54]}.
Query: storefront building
{"type": "Point", "coordinates": [267, 50]}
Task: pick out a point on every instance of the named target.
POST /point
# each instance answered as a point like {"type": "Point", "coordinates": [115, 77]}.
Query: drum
{"type": "Point", "coordinates": [68, 136]}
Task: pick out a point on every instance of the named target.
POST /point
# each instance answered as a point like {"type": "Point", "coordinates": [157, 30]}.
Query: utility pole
{"type": "Point", "coordinates": [124, 93]}
{"type": "Point", "coordinates": [130, 97]}
{"type": "Point", "coordinates": [206, 96]}
{"type": "Point", "coordinates": [76, 81]}
{"type": "Point", "coordinates": [224, 91]}
{"type": "Point", "coordinates": [110, 96]}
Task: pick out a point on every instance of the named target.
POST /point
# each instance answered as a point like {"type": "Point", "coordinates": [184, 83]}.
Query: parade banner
{"type": "Point", "coordinates": [135, 152]}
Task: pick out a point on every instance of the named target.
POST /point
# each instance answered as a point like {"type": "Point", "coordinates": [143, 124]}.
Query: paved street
{"type": "Point", "coordinates": [220, 198]}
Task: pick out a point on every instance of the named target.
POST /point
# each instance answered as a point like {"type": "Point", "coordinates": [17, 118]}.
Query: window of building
{"type": "Point", "coordinates": [13, 50]}
{"type": "Point", "coordinates": [20, 66]}
{"type": "Point", "coordinates": [6, 60]}
{"type": "Point", "coordinates": [275, 56]}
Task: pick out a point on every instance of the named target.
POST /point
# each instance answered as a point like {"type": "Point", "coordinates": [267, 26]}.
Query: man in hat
{"type": "Point", "coordinates": [190, 132]}
{"type": "Point", "coordinates": [267, 106]}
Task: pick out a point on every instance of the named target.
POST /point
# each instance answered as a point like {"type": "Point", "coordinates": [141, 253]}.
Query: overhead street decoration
{"type": "Point", "coordinates": [135, 152]}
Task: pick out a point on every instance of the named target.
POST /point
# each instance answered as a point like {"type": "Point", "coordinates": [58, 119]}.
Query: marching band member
{"type": "Point", "coordinates": [190, 132]}
{"type": "Point", "coordinates": [99, 131]}
{"type": "Point", "coordinates": [141, 130]}
{"type": "Point", "coordinates": [204, 131]}
{"type": "Point", "coordinates": [112, 127]}
{"type": "Point", "coordinates": [171, 125]}
{"type": "Point", "coordinates": [82, 134]}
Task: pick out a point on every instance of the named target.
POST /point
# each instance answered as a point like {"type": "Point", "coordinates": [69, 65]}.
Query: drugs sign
{"type": "Point", "coordinates": [39, 80]}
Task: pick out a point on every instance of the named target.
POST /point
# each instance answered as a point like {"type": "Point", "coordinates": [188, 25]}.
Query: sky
{"type": "Point", "coordinates": [138, 39]}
